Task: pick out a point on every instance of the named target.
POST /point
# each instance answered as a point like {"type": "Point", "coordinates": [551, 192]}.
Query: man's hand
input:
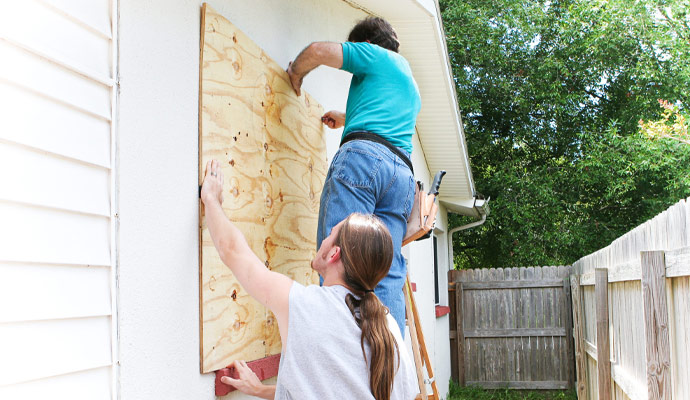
{"type": "Point", "coordinates": [295, 79]}
{"type": "Point", "coordinates": [248, 382]}
{"type": "Point", "coordinates": [317, 53]}
{"type": "Point", "coordinates": [333, 119]}
{"type": "Point", "coordinates": [212, 188]}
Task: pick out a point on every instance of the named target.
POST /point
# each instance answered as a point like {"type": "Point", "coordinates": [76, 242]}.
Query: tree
{"type": "Point", "coordinates": [551, 94]}
{"type": "Point", "coordinates": [666, 128]}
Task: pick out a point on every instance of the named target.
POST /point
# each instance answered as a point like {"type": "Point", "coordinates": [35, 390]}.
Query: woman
{"type": "Point", "coordinates": [337, 339]}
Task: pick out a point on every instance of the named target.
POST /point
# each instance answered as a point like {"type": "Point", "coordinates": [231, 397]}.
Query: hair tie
{"type": "Point", "coordinates": [369, 291]}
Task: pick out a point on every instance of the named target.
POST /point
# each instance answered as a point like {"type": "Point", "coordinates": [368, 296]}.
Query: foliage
{"type": "Point", "coordinates": [476, 393]}
{"type": "Point", "coordinates": [665, 128]}
{"type": "Point", "coordinates": [552, 93]}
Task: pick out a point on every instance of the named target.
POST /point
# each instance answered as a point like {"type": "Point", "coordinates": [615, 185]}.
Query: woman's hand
{"type": "Point", "coordinates": [248, 382]}
{"type": "Point", "coordinates": [212, 188]}
{"type": "Point", "coordinates": [333, 119]}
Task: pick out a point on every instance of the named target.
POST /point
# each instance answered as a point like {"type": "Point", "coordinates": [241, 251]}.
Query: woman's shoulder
{"type": "Point", "coordinates": [315, 294]}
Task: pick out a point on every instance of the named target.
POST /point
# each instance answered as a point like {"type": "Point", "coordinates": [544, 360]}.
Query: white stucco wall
{"type": "Point", "coordinates": [157, 130]}
{"type": "Point", "coordinates": [420, 256]}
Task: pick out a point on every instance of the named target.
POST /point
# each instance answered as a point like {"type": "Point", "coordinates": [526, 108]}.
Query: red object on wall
{"type": "Point", "coordinates": [413, 286]}
{"type": "Point", "coordinates": [442, 310]}
{"type": "Point", "coordinates": [263, 368]}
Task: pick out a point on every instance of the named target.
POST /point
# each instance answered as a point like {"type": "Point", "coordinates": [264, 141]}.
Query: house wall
{"type": "Point", "coordinates": [158, 135]}
{"type": "Point", "coordinates": [420, 256]}
{"type": "Point", "coordinates": [56, 214]}
{"type": "Point", "coordinates": [67, 219]}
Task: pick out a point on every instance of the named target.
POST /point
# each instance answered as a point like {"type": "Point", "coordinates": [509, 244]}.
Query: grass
{"type": "Point", "coordinates": [476, 393]}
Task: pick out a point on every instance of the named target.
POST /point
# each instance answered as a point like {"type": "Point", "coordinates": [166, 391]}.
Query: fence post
{"type": "Point", "coordinates": [601, 293]}
{"type": "Point", "coordinates": [568, 322]}
{"type": "Point", "coordinates": [460, 333]}
{"type": "Point", "coordinates": [578, 326]}
{"type": "Point", "coordinates": [657, 345]}
{"type": "Point", "coordinates": [451, 325]}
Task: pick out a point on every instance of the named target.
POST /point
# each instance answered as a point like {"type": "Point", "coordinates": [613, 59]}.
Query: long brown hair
{"type": "Point", "coordinates": [367, 252]}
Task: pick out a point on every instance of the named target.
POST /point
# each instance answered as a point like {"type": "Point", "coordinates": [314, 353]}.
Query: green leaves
{"type": "Point", "coordinates": [551, 94]}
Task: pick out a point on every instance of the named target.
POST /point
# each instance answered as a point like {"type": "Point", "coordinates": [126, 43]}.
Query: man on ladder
{"type": "Point", "coordinates": [371, 173]}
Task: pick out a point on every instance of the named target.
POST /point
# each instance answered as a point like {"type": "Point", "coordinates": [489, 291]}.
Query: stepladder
{"type": "Point", "coordinates": [419, 350]}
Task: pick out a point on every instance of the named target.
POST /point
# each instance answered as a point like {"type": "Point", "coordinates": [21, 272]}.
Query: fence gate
{"type": "Point", "coordinates": [512, 328]}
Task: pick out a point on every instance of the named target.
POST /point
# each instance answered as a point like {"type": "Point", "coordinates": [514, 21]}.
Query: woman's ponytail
{"type": "Point", "coordinates": [382, 345]}
{"type": "Point", "coordinates": [367, 252]}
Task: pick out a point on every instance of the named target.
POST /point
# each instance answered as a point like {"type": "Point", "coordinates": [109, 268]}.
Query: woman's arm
{"type": "Point", "coordinates": [248, 383]}
{"type": "Point", "coordinates": [270, 288]}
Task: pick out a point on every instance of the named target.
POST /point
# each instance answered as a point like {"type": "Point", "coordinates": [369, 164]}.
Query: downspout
{"type": "Point", "coordinates": [483, 213]}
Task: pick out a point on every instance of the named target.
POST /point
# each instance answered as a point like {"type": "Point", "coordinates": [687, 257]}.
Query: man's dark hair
{"type": "Point", "coordinates": [376, 31]}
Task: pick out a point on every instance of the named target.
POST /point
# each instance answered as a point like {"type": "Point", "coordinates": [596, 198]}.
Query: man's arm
{"type": "Point", "coordinates": [270, 288]}
{"type": "Point", "coordinates": [317, 53]}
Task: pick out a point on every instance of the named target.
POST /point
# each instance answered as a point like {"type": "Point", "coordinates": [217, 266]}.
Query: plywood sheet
{"type": "Point", "coordinates": [271, 145]}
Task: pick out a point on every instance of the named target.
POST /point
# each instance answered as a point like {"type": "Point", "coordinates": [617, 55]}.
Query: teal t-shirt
{"type": "Point", "coordinates": [384, 98]}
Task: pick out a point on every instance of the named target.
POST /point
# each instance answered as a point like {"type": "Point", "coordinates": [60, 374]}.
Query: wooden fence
{"type": "Point", "coordinates": [511, 328]}
{"type": "Point", "coordinates": [631, 312]}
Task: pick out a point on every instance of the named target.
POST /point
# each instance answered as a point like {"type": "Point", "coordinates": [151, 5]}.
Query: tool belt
{"type": "Point", "coordinates": [372, 137]}
{"type": "Point", "coordinates": [424, 208]}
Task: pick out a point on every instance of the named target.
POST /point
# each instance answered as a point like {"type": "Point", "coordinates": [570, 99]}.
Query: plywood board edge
{"type": "Point", "coordinates": [201, 216]}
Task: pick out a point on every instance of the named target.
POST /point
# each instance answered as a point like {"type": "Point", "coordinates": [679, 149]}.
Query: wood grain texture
{"type": "Point", "coordinates": [270, 143]}
{"type": "Point", "coordinates": [452, 324]}
{"type": "Point", "coordinates": [678, 262]}
{"type": "Point", "coordinates": [460, 337]}
{"type": "Point", "coordinates": [567, 318]}
{"type": "Point", "coordinates": [658, 348]}
{"type": "Point", "coordinates": [526, 385]}
{"type": "Point", "coordinates": [512, 327]}
{"type": "Point", "coordinates": [668, 232]}
{"type": "Point", "coordinates": [603, 351]}
{"type": "Point", "coordinates": [627, 384]}
{"type": "Point", "coordinates": [680, 339]}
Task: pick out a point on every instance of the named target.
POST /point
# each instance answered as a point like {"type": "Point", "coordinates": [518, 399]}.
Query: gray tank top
{"type": "Point", "coordinates": [323, 358]}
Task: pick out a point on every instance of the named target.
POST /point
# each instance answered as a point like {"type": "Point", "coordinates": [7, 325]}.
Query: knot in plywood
{"type": "Point", "coordinates": [269, 137]}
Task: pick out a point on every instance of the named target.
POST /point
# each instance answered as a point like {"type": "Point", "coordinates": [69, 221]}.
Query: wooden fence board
{"type": "Point", "coordinates": [538, 385]}
{"type": "Point", "coordinates": [627, 383]}
{"type": "Point", "coordinates": [578, 338]}
{"type": "Point", "coordinates": [508, 284]}
{"type": "Point", "coordinates": [512, 327]}
{"type": "Point", "coordinates": [514, 332]}
{"type": "Point", "coordinates": [484, 322]}
{"type": "Point", "coordinates": [452, 324]}
{"type": "Point", "coordinates": [657, 347]}
{"type": "Point", "coordinates": [677, 262]}
{"type": "Point", "coordinates": [460, 341]}
{"type": "Point", "coordinates": [603, 354]}
{"type": "Point", "coordinates": [496, 364]}
{"type": "Point", "coordinates": [680, 344]}
{"type": "Point", "coordinates": [567, 318]}
{"type": "Point", "coordinates": [536, 318]}
{"type": "Point", "coordinates": [271, 145]}
{"type": "Point", "coordinates": [631, 330]}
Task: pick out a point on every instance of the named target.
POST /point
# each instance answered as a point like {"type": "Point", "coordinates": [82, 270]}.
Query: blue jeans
{"type": "Point", "coordinates": [368, 178]}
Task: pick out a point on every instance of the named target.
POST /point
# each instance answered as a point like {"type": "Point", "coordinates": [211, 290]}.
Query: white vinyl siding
{"type": "Point", "coordinates": [57, 215]}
